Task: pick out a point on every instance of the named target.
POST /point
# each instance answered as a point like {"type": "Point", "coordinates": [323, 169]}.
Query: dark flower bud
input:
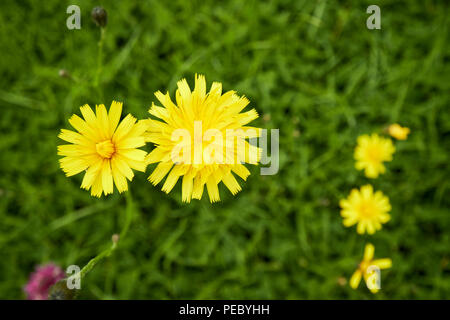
{"type": "Point", "coordinates": [59, 291]}
{"type": "Point", "coordinates": [99, 16]}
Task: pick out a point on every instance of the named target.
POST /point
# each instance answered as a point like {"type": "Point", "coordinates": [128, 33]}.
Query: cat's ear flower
{"type": "Point", "coordinates": [398, 132]}
{"type": "Point", "coordinates": [369, 270]}
{"type": "Point", "coordinates": [371, 152]}
{"type": "Point", "coordinates": [365, 208]}
{"type": "Point", "coordinates": [104, 147]}
{"type": "Point", "coordinates": [201, 138]}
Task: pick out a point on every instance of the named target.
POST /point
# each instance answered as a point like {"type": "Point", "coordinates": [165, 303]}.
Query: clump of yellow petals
{"type": "Point", "coordinates": [366, 209]}
{"type": "Point", "coordinates": [198, 112]}
{"type": "Point", "coordinates": [371, 152]}
{"type": "Point", "coordinates": [102, 147]}
{"type": "Point", "coordinates": [398, 132]}
{"type": "Point", "coordinates": [368, 268]}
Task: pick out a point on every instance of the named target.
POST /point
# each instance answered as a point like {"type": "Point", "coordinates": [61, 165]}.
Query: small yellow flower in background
{"type": "Point", "coordinates": [366, 209]}
{"type": "Point", "coordinates": [369, 269]}
{"type": "Point", "coordinates": [398, 132]}
{"type": "Point", "coordinates": [371, 152]}
{"type": "Point", "coordinates": [213, 146]}
{"type": "Point", "coordinates": [104, 148]}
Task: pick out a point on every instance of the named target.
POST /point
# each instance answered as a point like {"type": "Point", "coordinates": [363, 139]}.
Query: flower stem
{"type": "Point", "coordinates": [99, 56]}
{"type": "Point", "coordinates": [129, 210]}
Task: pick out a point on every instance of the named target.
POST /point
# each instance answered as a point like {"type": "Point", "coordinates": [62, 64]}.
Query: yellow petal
{"type": "Point", "coordinates": [199, 185]}
{"type": "Point", "coordinates": [74, 137]}
{"type": "Point", "coordinates": [124, 128]}
{"type": "Point", "coordinates": [107, 178]}
{"type": "Point", "coordinates": [172, 178]}
{"type": "Point", "coordinates": [241, 171]}
{"type": "Point", "coordinates": [119, 180]}
{"type": "Point", "coordinates": [121, 164]}
{"type": "Point", "coordinates": [384, 263]}
{"type": "Point", "coordinates": [130, 143]}
{"type": "Point", "coordinates": [160, 172]}
{"type": "Point", "coordinates": [370, 227]}
{"type": "Point", "coordinates": [361, 227]}
{"type": "Point", "coordinates": [186, 188]}
{"type": "Point", "coordinates": [115, 111]}
{"type": "Point", "coordinates": [97, 189]}
{"type": "Point", "coordinates": [82, 127]}
{"type": "Point", "coordinates": [185, 92]}
{"type": "Point", "coordinates": [158, 154]}
{"type": "Point", "coordinates": [369, 251]}
{"type": "Point", "coordinates": [213, 190]}
{"type": "Point", "coordinates": [200, 86]}
{"type": "Point", "coordinates": [247, 117]}
{"type": "Point", "coordinates": [133, 154]}
{"type": "Point", "coordinates": [159, 112]}
{"type": "Point", "coordinates": [73, 150]}
{"type": "Point", "coordinates": [355, 279]}
{"type": "Point", "coordinates": [72, 166]}
{"type": "Point", "coordinates": [230, 182]}
{"type": "Point", "coordinates": [89, 117]}
{"type": "Point", "coordinates": [91, 174]}
{"type": "Point", "coordinates": [136, 165]}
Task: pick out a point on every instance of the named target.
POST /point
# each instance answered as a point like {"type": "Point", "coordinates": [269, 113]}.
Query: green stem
{"type": "Point", "coordinates": [91, 264]}
{"type": "Point", "coordinates": [106, 253]}
{"type": "Point", "coordinates": [99, 56]}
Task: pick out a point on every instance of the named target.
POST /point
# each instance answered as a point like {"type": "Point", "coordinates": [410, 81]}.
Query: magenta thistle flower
{"type": "Point", "coordinates": [41, 280]}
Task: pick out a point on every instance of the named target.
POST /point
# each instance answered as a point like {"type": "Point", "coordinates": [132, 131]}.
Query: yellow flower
{"type": "Point", "coordinates": [369, 269]}
{"type": "Point", "coordinates": [366, 209]}
{"type": "Point", "coordinates": [213, 140]}
{"type": "Point", "coordinates": [104, 148]}
{"type": "Point", "coordinates": [398, 132]}
{"type": "Point", "coordinates": [371, 152]}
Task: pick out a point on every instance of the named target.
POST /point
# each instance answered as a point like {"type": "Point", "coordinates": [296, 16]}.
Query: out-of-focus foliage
{"type": "Point", "coordinates": [310, 68]}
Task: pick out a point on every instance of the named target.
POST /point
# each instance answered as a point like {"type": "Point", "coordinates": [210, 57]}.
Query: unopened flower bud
{"type": "Point", "coordinates": [115, 238]}
{"type": "Point", "coordinates": [63, 73]}
{"type": "Point", "coordinates": [99, 16]}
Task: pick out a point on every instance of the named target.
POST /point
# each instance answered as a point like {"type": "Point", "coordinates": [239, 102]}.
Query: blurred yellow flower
{"type": "Point", "coordinates": [398, 132]}
{"type": "Point", "coordinates": [371, 152]}
{"type": "Point", "coordinates": [369, 269]}
{"type": "Point", "coordinates": [213, 139]}
{"type": "Point", "coordinates": [366, 209]}
{"type": "Point", "coordinates": [104, 148]}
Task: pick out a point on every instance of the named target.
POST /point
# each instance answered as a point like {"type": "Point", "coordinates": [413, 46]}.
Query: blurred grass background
{"type": "Point", "coordinates": [310, 68]}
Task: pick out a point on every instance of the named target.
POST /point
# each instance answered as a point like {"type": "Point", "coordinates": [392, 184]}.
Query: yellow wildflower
{"type": "Point", "coordinates": [104, 148]}
{"type": "Point", "coordinates": [369, 269]}
{"type": "Point", "coordinates": [366, 209]}
{"type": "Point", "coordinates": [213, 139]}
{"type": "Point", "coordinates": [371, 152]}
{"type": "Point", "coordinates": [398, 132]}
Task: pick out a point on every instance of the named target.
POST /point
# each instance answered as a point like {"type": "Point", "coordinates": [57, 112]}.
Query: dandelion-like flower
{"type": "Point", "coordinates": [371, 152]}
{"type": "Point", "coordinates": [213, 142]}
{"type": "Point", "coordinates": [369, 270]}
{"type": "Point", "coordinates": [366, 209]}
{"type": "Point", "coordinates": [398, 132]}
{"type": "Point", "coordinates": [41, 280]}
{"type": "Point", "coordinates": [104, 148]}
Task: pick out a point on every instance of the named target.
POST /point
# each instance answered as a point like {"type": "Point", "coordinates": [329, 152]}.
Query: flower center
{"type": "Point", "coordinates": [374, 154]}
{"type": "Point", "coordinates": [364, 265]}
{"type": "Point", "coordinates": [367, 209]}
{"type": "Point", "coordinates": [105, 149]}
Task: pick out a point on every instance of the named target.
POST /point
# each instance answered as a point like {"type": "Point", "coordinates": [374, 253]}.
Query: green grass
{"type": "Point", "coordinates": [310, 68]}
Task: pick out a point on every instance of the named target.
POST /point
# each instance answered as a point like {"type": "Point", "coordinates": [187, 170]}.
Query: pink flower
{"type": "Point", "coordinates": [41, 280]}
